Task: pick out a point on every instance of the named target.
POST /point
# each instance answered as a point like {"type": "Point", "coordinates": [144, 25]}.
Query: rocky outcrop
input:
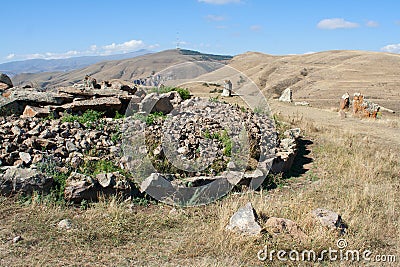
{"type": "Point", "coordinates": [164, 103]}
{"type": "Point", "coordinates": [36, 112]}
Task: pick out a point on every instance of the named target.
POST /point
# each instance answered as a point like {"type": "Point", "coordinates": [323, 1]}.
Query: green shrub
{"type": "Point", "coordinates": [183, 92]}
{"type": "Point", "coordinates": [152, 117]}
{"type": "Point", "coordinates": [89, 118]}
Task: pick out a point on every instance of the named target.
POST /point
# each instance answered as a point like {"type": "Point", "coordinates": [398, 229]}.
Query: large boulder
{"type": "Point", "coordinates": [5, 82]}
{"type": "Point", "coordinates": [80, 187]}
{"type": "Point", "coordinates": [164, 103]}
{"type": "Point", "coordinates": [24, 181]}
{"type": "Point", "coordinates": [98, 104]}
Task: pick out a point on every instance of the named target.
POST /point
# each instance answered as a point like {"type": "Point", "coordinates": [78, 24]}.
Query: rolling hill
{"type": "Point", "coordinates": [319, 78]}
{"type": "Point", "coordinates": [127, 69]}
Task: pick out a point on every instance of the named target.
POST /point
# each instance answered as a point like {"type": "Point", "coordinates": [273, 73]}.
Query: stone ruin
{"type": "Point", "coordinates": [27, 141]}
{"type": "Point", "coordinates": [227, 91]}
{"type": "Point", "coordinates": [363, 108]}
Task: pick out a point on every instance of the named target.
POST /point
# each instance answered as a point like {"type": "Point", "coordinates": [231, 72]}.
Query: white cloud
{"type": "Point", "coordinates": [131, 45]}
{"type": "Point", "coordinates": [392, 48]}
{"type": "Point", "coordinates": [93, 50]}
{"type": "Point", "coordinates": [372, 24]}
{"type": "Point", "coordinates": [10, 56]}
{"type": "Point", "coordinates": [219, 2]}
{"type": "Point", "coordinates": [336, 23]}
{"type": "Point", "coordinates": [255, 28]}
{"type": "Point", "coordinates": [215, 18]}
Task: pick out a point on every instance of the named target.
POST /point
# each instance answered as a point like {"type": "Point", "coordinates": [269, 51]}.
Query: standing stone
{"type": "Point", "coordinates": [345, 102]}
{"type": "Point", "coordinates": [5, 82]}
{"type": "Point", "coordinates": [286, 95]}
{"type": "Point", "coordinates": [227, 88]}
{"type": "Point", "coordinates": [244, 221]}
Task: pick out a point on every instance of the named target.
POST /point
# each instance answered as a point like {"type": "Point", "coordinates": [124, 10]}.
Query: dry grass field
{"type": "Point", "coordinates": [347, 171]}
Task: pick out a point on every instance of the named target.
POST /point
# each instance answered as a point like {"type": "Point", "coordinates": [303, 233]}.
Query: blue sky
{"type": "Point", "coordinates": [65, 28]}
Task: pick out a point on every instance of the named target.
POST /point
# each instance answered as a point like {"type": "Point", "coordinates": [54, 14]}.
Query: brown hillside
{"type": "Point", "coordinates": [126, 69]}
{"type": "Point", "coordinates": [329, 75]}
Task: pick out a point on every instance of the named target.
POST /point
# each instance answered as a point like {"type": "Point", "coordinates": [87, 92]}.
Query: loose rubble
{"type": "Point", "coordinates": [33, 136]}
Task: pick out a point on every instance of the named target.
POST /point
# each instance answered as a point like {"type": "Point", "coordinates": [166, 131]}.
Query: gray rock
{"type": "Point", "coordinates": [70, 146]}
{"type": "Point", "coordinates": [36, 112]}
{"type": "Point", "coordinates": [106, 179]}
{"type": "Point", "coordinates": [76, 161]}
{"type": "Point", "coordinates": [98, 104]}
{"type": "Point", "coordinates": [156, 103]}
{"type": "Point", "coordinates": [45, 134]}
{"type": "Point", "coordinates": [25, 181]}
{"type": "Point", "coordinates": [80, 187]}
{"type": "Point", "coordinates": [244, 221]}
{"type": "Point", "coordinates": [6, 81]}
{"type": "Point", "coordinates": [25, 157]}
{"type": "Point", "coordinates": [16, 130]}
{"type": "Point", "coordinates": [286, 95]}
{"type": "Point", "coordinates": [17, 239]}
{"type": "Point", "coordinates": [155, 182]}
{"type": "Point", "coordinates": [65, 224]}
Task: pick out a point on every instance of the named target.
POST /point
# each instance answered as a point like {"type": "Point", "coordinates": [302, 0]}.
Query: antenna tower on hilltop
{"type": "Point", "coordinates": [177, 41]}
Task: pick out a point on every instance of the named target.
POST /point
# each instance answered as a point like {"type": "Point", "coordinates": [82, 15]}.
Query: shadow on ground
{"type": "Point", "coordinates": [302, 159]}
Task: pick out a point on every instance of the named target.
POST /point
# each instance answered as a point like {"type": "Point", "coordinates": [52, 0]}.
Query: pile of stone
{"type": "Point", "coordinates": [112, 96]}
{"type": "Point", "coordinates": [196, 129]}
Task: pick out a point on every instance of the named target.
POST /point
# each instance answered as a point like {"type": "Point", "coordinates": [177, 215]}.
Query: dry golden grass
{"type": "Point", "coordinates": [353, 176]}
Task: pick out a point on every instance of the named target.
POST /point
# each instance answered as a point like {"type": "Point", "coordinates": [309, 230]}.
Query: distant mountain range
{"type": "Point", "coordinates": [62, 65]}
